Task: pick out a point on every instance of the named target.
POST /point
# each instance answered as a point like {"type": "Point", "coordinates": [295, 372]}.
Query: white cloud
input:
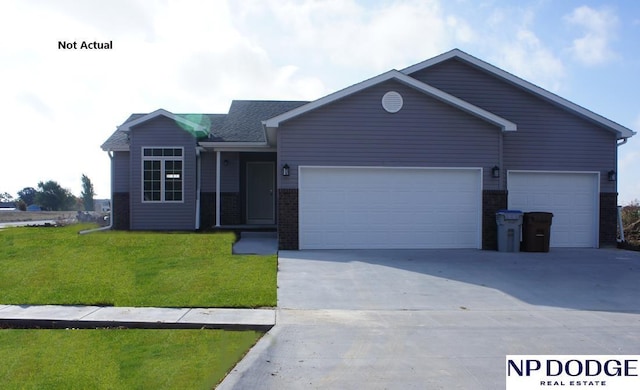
{"type": "Point", "coordinates": [599, 26]}
{"type": "Point", "coordinates": [509, 38]}
{"type": "Point", "coordinates": [527, 57]}
{"type": "Point", "coordinates": [62, 104]}
{"type": "Point", "coordinates": [345, 33]}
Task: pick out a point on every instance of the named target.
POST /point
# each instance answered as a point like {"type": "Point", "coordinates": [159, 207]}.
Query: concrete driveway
{"type": "Point", "coordinates": [439, 319]}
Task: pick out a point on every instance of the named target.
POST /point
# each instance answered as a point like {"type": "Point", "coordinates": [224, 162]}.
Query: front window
{"type": "Point", "coordinates": [162, 174]}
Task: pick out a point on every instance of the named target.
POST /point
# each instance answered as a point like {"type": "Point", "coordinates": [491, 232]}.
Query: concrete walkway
{"type": "Point", "coordinates": [439, 319]}
{"type": "Point", "coordinates": [256, 243]}
{"type": "Point", "coordinates": [52, 316]}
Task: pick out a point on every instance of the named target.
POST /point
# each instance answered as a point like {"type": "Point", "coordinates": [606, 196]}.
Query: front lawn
{"type": "Point", "coordinates": [119, 359]}
{"type": "Point", "coordinates": [58, 266]}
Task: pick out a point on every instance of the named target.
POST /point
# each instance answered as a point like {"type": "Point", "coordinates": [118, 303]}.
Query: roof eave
{"type": "Point", "coordinates": [116, 149]}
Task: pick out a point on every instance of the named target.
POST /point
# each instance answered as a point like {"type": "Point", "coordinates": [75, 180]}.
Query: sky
{"type": "Point", "coordinates": [195, 56]}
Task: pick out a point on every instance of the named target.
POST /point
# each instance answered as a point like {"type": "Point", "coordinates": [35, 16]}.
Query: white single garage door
{"type": "Point", "coordinates": [572, 197]}
{"type": "Point", "coordinates": [386, 208]}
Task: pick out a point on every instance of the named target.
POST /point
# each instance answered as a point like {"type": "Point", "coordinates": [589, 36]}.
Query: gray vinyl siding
{"type": "Point", "coordinates": [162, 132]}
{"type": "Point", "coordinates": [120, 165]}
{"type": "Point", "coordinates": [208, 165]}
{"type": "Point", "coordinates": [548, 137]}
{"type": "Point", "coordinates": [357, 131]}
{"type": "Point", "coordinates": [229, 182]}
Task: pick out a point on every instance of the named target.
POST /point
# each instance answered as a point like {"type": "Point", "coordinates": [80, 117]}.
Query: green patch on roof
{"type": "Point", "coordinates": [197, 125]}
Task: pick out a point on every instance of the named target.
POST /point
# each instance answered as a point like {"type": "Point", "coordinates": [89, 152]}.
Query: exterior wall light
{"type": "Point", "coordinates": [285, 170]}
{"type": "Point", "coordinates": [611, 175]}
{"type": "Point", "coordinates": [495, 172]}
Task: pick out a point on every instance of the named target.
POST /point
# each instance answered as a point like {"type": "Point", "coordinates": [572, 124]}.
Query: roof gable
{"type": "Point", "coordinates": [196, 124]}
{"type": "Point", "coordinates": [504, 124]}
{"type": "Point", "coordinates": [621, 131]}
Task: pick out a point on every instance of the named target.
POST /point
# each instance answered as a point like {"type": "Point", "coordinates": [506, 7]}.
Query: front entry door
{"type": "Point", "coordinates": [260, 192]}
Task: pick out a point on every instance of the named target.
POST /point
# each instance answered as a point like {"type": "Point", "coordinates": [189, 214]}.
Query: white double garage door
{"type": "Point", "coordinates": [396, 208]}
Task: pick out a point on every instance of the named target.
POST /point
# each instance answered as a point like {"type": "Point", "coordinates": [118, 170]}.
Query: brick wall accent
{"type": "Point", "coordinates": [492, 201]}
{"type": "Point", "coordinates": [608, 218]}
{"type": "Point", "coordinates": [120, 209]}
{"type": "Point", "coordinates": [230, 208]}
{"type": "Point", "coordinates": [288, 219]}
{"type": "Point", "coordinates": [207, 210]}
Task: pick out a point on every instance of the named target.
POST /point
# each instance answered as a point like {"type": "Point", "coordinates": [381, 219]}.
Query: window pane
{"type": "Point", "coordinates": [173, 180]}
{"type": "Point", "coordinates": [151, 179]}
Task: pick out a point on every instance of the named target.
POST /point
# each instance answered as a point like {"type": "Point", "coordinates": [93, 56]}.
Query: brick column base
{"type": "Point", "coordinates": [608, 218]}
{"type": "Point", "coordinates": [230, 213]}
{"type": "Point", "coordinates": [120, 211]}
{"type": "Point", "coordinates": [207, 210]}
{"type": "Point", "coordinates": [288, 219]}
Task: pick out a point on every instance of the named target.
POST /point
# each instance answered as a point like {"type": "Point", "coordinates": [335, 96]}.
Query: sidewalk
{"type": "Point", "coordinates": [53, 316]}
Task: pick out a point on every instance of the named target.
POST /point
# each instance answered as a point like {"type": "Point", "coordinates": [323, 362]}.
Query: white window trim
{"type": "Point", "coordinates": [162, 159]}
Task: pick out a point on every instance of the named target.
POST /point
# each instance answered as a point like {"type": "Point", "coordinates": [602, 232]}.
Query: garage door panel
{"type": "Point", "coordinates": [389, 208]}
{"type": "Point", "coordinates": [572, 197]}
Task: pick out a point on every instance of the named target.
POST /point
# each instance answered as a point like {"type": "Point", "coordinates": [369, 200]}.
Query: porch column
{"type": "Point", "coordinates": [217, 188]}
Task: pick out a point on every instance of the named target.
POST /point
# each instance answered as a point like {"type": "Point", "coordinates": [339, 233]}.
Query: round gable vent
{"type": "Point", "coordinates": [392, 102]}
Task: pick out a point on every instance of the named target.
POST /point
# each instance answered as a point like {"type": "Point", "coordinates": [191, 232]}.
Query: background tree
{"type": "Point", "coordinates": [28, 195]}
{"type": "Point", "coordinates": [87, 193]}
{"type": "Point", "coordinates": [6, 197]}
{"type": "Point", "coordinates": [52, 197]}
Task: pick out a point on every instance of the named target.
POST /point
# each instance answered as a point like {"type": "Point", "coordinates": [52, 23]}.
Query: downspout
{"type": "Point", "coordinates": [217, 188]}
{"type": "Point", "coordinates": [619, 208]}
{"type": "Point", "coordinates": [621, 239]}
{"type": "Point", "coordinates": [110, 225]}
{"type": "Point", "coordinates": [503, 177]}
{"type": "Point", "coordinates": [198, 181]}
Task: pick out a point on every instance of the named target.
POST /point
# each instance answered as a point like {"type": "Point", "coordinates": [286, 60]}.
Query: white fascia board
{"type": "Point", "coordinates": [120, 149]}
{"type": "Point", "coordinates": [620, 130]}
{"type": "Point", "coordinates": [403, 78]}
{"type": "Point", "coordinates": [237, 146]}
{"type": "Point", "coordinates": [161, 112]}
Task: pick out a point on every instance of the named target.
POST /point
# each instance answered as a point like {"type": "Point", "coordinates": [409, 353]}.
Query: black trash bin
{"type": "Point", "coordinates": [536, 231]}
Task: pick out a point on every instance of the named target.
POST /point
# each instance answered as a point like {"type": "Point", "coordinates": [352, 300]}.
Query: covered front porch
{"type": "Point", "coordinates": [237, 189]}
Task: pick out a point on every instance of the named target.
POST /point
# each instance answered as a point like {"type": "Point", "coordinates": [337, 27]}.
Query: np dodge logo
{"type": "Point", "coordinates": [612, 372]}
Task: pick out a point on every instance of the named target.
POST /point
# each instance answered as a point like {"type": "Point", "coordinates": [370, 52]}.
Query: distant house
{"type": "Point", "coordinates": [34, 207]}
{"type": "Point", "coordinates": [7, 206]}
{"type": "Point", "coordinates": [101, 205]}
{"type": "Point", "coordinates": [417, 158]}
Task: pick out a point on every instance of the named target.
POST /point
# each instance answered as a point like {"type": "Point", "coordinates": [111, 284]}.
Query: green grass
{"type": "Point", "coordinates": [119, 359]}
{"type": "Point", "coordinates": [59, 266]}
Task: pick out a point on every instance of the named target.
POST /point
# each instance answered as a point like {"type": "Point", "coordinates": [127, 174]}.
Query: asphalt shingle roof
{"type": "Point", "coordinates": [243, 123]}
